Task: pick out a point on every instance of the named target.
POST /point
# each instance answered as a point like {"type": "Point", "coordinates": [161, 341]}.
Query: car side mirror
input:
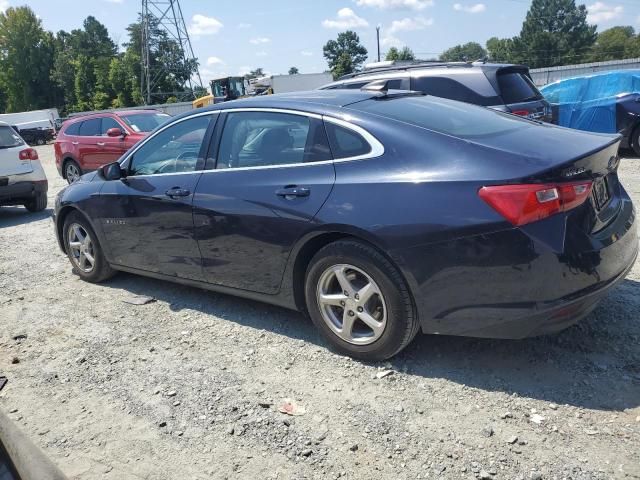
{"type": "Point", "coordinates": [115, 132]}
{"type": "Point", "coordinates": [112, 171]}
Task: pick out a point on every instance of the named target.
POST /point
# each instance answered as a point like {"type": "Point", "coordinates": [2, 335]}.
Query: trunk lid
{"type": "Point", "coordinates": [11, 144]}
{"type": "Point", "coordinates": [601, 168]}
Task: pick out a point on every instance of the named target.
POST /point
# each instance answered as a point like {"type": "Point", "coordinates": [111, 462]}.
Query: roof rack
{"type": "Point", "coordinates": [407, 66]}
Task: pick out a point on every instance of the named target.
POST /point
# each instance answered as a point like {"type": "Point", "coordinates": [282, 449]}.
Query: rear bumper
{"type": "Point", "coordinates": [511, 284]}
{"type": "Point", "coordinates": [22, 190]}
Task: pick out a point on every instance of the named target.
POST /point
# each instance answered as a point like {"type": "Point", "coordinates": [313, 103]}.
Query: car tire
{"type": "Point", "coordinates": [72, 171]}
{"type": "Point", "coordinates": [76, 228]}
{"type": "Point", "coordinates": [634, 140]}
{"type": "Point", "coordinates": [382, 320]}
{"type": "Point", "coordinates": [38, 203]}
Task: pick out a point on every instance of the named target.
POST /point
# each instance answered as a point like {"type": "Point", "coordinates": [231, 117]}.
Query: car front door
{"type": "Point", "coordinates": [271, 173]}
{"type": "Point", "coordinates": [147, 216]}
{"type": "Point", "coordinates": [112, 148]}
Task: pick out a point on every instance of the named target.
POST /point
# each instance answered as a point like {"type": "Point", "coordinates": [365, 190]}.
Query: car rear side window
{"type": "Point", "coordinates": [450, 88]}
{"type": "Point", "coordinates": [9, 138]}
{"type": "Point", "coordinates": [444, 116]}
{"type": "Point", "coordinates": [346, 143]}
{"type": "Point", "coordinates": [72, 129]}
{"type": "Point", "coordinates": [517, 88]}
{"type": "Point", "coordinates": [260, 139]}
{"type": "Point", "coordinates": [90, 128]}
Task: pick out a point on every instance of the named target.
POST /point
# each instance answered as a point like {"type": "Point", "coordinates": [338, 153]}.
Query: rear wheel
{"type": "Point", "coordinates": [359, 301]}
{"type": "Point", "coordinates": [72, 171]}
{"type": "Point", "coordinates": [38, 203]}
{"type": "Point", "coordinates": [84, 250]}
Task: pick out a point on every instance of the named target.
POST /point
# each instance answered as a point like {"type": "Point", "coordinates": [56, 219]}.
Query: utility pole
{"type": "Point", "coordinates": [165, 16]}
{"type": "Point", "coordinates": [378, 38]}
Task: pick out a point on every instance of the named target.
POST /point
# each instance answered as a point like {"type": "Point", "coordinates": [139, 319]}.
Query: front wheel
{"type": "Point", "coordinates": [84, 250]}
{"type": "Point", "coordinates": [359, 301]}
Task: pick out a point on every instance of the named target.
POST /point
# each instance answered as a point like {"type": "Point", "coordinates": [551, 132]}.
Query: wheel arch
{"type": "Point", "coordinates": [312, 244]}
{"type": "Point", "coordinates": [65, 159]}
{"type": "Point", "coordinates": [61, 216]}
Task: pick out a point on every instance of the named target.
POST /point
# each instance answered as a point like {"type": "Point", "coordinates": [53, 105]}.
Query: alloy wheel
{"type": "Point", "coordinates": [73, 172]}
{"type": "Point", "coordinates": [351, 304]}
{"type": "Point", "coordinates": [81, 248]}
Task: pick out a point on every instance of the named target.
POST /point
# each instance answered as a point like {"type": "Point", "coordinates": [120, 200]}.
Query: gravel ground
{"type": "Point", "coordinates": [190, 386]}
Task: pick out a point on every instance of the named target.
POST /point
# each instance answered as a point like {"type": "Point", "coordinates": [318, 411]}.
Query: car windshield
{"type": "Point", "coordinates": [441, 115]}
{"type": "Point", "coordinates": [145, 122]}
{"type": "Point", "coordinates": [9, 138]}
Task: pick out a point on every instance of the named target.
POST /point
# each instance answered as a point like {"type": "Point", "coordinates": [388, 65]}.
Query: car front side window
{"type": "Point", "coordinates": [260, 139]}
{"type": "Point", "coordinates": [173, 150]}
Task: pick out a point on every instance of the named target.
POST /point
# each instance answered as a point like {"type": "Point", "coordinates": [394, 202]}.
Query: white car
{"type": "Point", "coordinates": [22, 178]}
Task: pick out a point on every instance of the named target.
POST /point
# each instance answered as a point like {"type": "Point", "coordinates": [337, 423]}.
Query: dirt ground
{"type": "Point", "coordinates": [189, 386]}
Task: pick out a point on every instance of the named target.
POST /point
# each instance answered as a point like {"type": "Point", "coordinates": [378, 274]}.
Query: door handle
{"type": "Point", "coordinates": [100, 144]}
{"type": "Point", "coordinates": [176, 192]}
{"type": "Point", "coordinates": [292, 191]}
{"type": "Point", "coordinates": [74, 143]}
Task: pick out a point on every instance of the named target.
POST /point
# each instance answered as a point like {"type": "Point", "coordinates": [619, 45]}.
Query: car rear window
{"type": "Point", "coordinates": [9, 138]}
{"type": "Point", "coordinates": [145, 122]}
{"type": "Point", "coordinates": [516, 87]}
{"type": "Point", "coordinates": [444, 116]}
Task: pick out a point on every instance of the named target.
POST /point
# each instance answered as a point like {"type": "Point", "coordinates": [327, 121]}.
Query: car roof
{"type": "Point", "coordinates": [311, 101]}
{"type": "Point", "coordinates": [125, 113]}
{"type": "Point", "coordinates": [429, 66]}
{"type": "Point", "coordinates": [118, 113]}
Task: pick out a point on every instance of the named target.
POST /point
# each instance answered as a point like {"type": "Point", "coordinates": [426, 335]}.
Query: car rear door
{"type": "Point", "coordinates": [269, 176]}
{"type": "Point", "coordinates": [88, 149]}
{"type": "Point", "coordinates": [147, 216]}
{"type": "Point", "coordinates": [10, 146]}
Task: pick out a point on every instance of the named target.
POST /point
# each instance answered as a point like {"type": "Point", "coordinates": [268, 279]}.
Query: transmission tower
{"type": "Point", "coordinates": [167, 16]}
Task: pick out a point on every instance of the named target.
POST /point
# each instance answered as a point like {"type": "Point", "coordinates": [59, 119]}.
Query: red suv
{"type": "Point", "coordinates": [88, 142]}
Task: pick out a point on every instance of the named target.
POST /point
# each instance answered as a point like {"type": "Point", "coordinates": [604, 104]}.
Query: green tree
{"type": "Point", "coordinates": [405, 54]}
{"type": "Point", "coordinates": [500, 49]}
{"type": "Point", "coordinates": [346, 54]}
{"type": "Point", "coordinates": [26, 61]}
{"type": "Point", "coordinates": [294, 71]}
{"type": "Point", "coordinates": [83, 84]}
{"type": "Point", "coordinates": [464, 53]}
{"type": "Point", "coordinates": [613, 44]}
{"type": "Point", "coordinates": [555, 32]}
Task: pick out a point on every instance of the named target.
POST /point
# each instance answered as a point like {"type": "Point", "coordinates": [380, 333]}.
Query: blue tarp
{"type": "Point", "coordinates": [589, 102]}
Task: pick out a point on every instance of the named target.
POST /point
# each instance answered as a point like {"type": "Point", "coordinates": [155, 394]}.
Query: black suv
{"type": "Point", "coordinates": [504, 87]}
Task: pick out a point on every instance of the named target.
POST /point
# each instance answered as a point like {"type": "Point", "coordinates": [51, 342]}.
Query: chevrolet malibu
{"type": "Point", "coordinates": [379, 214]}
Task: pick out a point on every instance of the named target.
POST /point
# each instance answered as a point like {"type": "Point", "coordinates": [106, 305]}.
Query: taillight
{"type": "Point", "coordinates": [521, 113]}
{"type": "Point", "coordinates": [522, 204]}
{"type": "Point", "coordinates": [28, 154]}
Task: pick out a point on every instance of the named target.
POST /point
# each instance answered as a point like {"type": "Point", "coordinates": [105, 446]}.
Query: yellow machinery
{"type": "Point", "coordinates": [223, 90]}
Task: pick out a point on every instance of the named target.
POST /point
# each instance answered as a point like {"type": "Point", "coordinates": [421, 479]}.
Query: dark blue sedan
{"type": "Point", "coordinates": [378, 213]}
